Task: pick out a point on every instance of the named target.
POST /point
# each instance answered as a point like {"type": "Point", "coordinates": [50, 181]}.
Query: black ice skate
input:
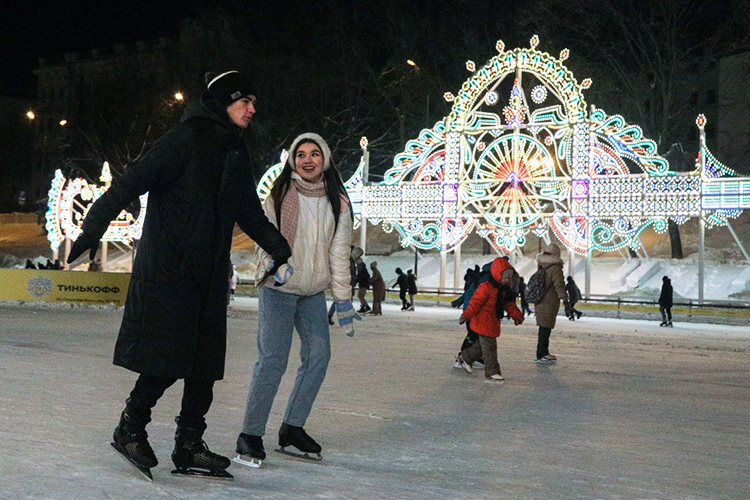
{"type": "Point", "coordinates": [290, 435]}
{"type": "Point", "coordinates": [250, 450]}
{"type": "Point", "coordinates": [192, 457]}
{"type": "Point", "coordinates": [131, 441]}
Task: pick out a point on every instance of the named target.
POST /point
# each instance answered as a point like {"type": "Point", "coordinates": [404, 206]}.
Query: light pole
{"type": "Point", "coordinates": [427, 97]}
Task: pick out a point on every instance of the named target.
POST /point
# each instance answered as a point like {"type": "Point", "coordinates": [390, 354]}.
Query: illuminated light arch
{"type": "Point", "coordinates": [68, 204]}
{"type": "Point", "coordinates": [506, 166]}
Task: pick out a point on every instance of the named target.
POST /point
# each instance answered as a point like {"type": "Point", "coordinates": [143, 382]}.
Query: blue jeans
{"type": "Point", "coordinates": [279, 314]}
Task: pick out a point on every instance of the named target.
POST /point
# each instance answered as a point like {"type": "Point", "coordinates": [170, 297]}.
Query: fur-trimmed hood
{"type": "Point", "coordinates": [546, 260]}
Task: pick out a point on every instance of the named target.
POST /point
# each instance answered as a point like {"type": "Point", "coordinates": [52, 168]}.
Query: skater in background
{"type": "Point", "coordinates": [308, 201]}
{"type": "Point", "coordinates": [200, 183]}
{"type": "Point", "coordinates": [521, 292]}
{"type": "Point", "coordinates": [403, 287]}
{"type": "Point", "coordinates": [487, 307]}
{"type": "Point", "coordinates": [411, 284]}
{"type": "Point", "coordinates": [29, 264]}
{"type": "Point", "coordinates": [546, 310]}
{"type": "Point", "coordinates": [574, 295]}
{"type": "Point", "coordinates": [665, 301]}
{"type": "Point", "coordinates": [480, 276]}
{"type": "Point", "coordinates": [378, 289]}
{"type": "Point", "coordinates": [363, 282]}
{"type": "Point", "coordinates": [234, 280]}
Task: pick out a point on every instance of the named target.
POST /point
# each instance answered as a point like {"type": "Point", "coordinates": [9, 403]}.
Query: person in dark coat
{"type": "Point", "coordinates": [200, 183]}
{"type": "Point", "coordinates": [521, 293]}
{"type": "Point", "coordinates": [378, 289]}
{"type": "Point", "coordinates": [403, 287]}
{"type": "Point", "coordinates": [363, 281]}
{"type": "Point", "coordinates": [665, 301]}
{"type": "Point", "coordinates": [480, 276]}
{"type": "Point", "coordinates": [411, 284]}
{"type": "Point", "coordinates": [574, 295]}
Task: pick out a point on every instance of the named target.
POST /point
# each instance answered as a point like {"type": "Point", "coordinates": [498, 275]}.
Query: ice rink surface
{"type": "Point", "coordinates": [629, 411]}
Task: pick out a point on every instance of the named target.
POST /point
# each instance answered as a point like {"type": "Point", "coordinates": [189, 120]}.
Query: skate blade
{"type": "Point", "coordinates": [302, 456]}
{"type": "Point", "coordinates": [494, 381]}
{"type": "Point", "coordinates": [253, 462]}
{"type": "Point", "coordinates": [143, 470]}
{"type": "Point", "coordinates": [202, 473]}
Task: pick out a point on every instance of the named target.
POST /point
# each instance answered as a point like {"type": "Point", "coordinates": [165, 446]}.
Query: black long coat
{"type": "Point", "coordinates": [200, 183]}
{"type": "Point", "coordinates": [665, 297]}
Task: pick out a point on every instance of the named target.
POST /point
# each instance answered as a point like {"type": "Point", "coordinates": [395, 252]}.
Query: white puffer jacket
{"type": "Point", "coordinates": [320, 258]}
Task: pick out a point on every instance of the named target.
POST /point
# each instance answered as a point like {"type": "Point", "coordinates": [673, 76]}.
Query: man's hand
{"type": "Point", "coordinates": [84, 242]}
{"type": "Point", "coordinates": [280, 273]}
{"type": "Point", "coordinates": [461, 320]}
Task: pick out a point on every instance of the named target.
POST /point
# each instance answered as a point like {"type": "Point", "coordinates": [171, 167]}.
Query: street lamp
{"type": "Point", "coordinates": [30, 115]}
{"type": "Point", "coordinates": [427, 97]}
{"type": "Point", "coordinates": [178, 96]}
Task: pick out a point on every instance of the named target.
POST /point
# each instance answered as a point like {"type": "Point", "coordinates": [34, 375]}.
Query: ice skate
{"type": "Point", "coordinates": [495, 379]}
{"type": "Point", "coordinates": [466, 366]}
{"type": "Point", "coordinates": [669, 323]}
{"type": "Point", "coordinates": [192, 458]}
{"type": "Point", "coordinates": [457, 364]}
{"type": "Point", "coordinates": [663, 323]}
{"type": "Point", "coordinates": [130, 440]}
{"type": "Point", "coordinates": [290, 435]}
{"type": "Point", "coordinates": [545, 360]}
{"type": "Point", "coordinates": [477, 365]}
{"type": "Point", "coordinates": [250, 450]}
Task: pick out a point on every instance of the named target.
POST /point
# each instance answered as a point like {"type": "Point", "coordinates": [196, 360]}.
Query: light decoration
{"type": "Point", "coordinates": [68, 204]}
{"type": "Point", "coordinates": [546, 166]}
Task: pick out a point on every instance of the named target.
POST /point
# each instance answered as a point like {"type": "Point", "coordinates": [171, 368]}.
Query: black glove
{"type": "Point", "coordinates": [84, 242]}
{"type": "Point", "coordinates": [279, 259]}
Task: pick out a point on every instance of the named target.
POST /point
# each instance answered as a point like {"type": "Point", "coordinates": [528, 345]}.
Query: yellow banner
{"type": "Point", "coordinates": [63, 286]}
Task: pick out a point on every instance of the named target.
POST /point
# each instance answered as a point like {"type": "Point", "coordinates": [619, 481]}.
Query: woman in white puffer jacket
{"type": "Point", "coordinates": [309, 204]}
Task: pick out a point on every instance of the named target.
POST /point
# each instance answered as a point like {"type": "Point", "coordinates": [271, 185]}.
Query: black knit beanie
{"type": "Point", "coordinates": [228, 87]}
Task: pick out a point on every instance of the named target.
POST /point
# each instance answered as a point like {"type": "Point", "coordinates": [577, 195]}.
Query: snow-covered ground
{"type": "Point", "coordinates": [721, 279]}
{"type": "Point", "coordinates": [629, 411]}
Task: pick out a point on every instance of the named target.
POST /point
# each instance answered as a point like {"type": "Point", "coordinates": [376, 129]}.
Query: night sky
{"type": "Point", "coordinates": [32, 29]}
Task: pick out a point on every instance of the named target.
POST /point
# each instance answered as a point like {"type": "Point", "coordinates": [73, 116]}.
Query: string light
{"type": "Point", "coordinates": [593, 180]}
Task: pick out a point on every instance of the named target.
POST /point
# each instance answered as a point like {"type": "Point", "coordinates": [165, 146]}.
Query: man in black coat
{"type": "Point", "coordinates": [199, 180]}
{"type": "Point", "coordinates": [574, 294]}
{"type": "Point", "coordinates": [665, 301]}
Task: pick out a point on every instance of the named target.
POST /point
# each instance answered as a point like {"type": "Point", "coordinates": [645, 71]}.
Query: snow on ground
{"type": "Point", "coordinates": [683, 273]}
{"type": "Point", "coordinates": [630, 410]}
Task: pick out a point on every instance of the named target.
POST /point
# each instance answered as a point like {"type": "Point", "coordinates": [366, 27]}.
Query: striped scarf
{"type": "Point", "coordinates": [290, 204]}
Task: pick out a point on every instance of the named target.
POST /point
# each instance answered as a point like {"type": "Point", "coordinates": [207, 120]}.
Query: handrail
{"type": "Point", "coordinates": [610, 299]}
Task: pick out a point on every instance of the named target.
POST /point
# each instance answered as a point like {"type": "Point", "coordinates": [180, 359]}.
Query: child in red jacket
{"type": "Point", "coordinates": [486, 310]}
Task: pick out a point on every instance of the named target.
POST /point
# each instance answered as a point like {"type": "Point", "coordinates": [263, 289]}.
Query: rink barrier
{"type": "Point", "coordinates": [37, 285]}
{"type": "Point", "coordinates": [738, 308]}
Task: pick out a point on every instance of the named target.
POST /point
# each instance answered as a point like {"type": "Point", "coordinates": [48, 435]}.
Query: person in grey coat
{"type": "Point", "coordinates": [200, 183]}
{"type": "Point", "coordinates": [546, 310]}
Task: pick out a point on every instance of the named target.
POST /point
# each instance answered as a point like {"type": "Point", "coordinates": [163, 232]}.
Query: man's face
{"type": "Point", "coordinates": [242, 110]}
